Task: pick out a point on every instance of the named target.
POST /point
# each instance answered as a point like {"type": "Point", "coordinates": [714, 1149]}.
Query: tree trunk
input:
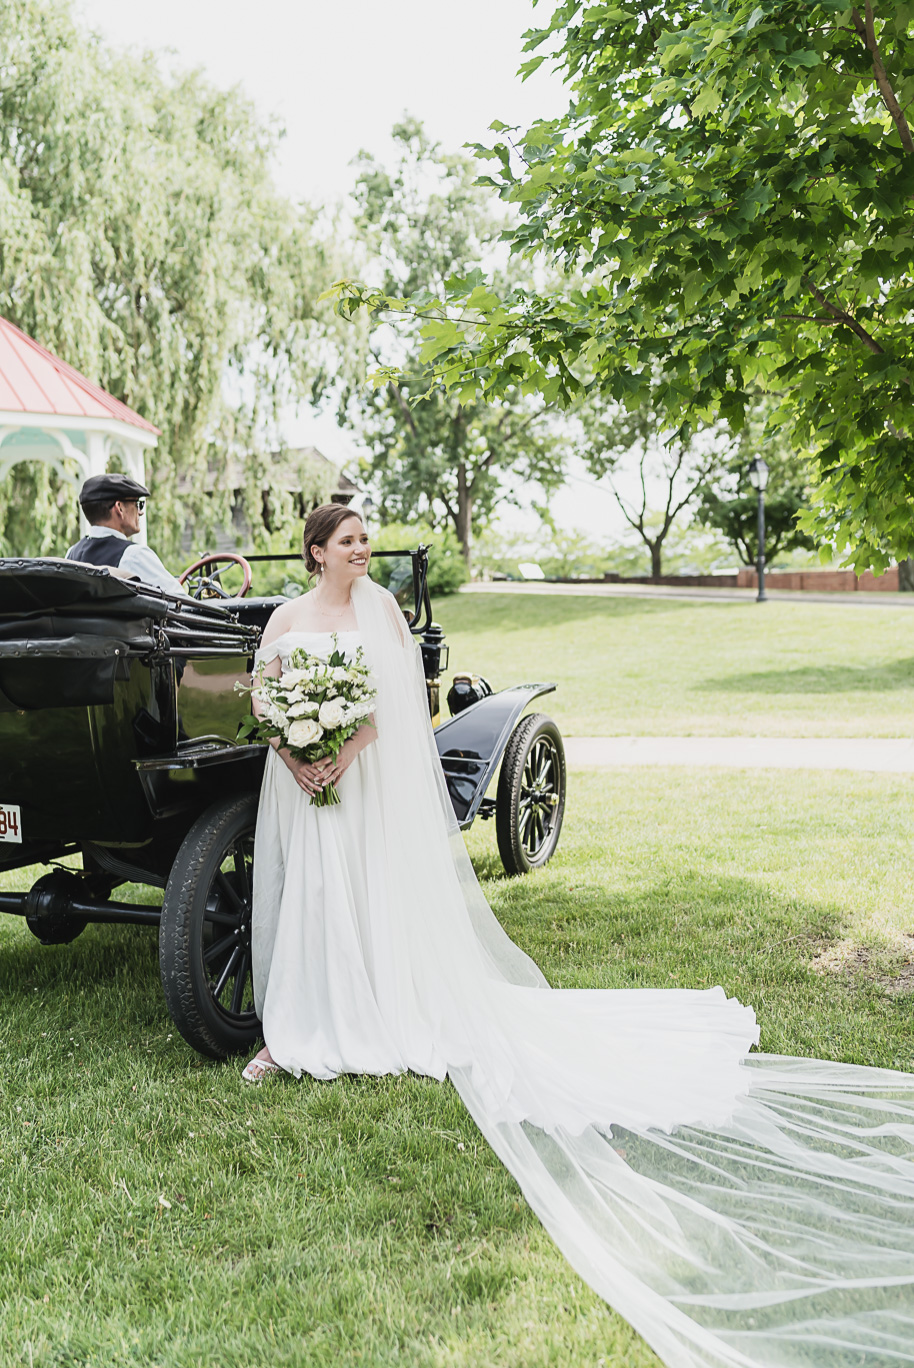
{"type": "Point", "coordinates": [464, 521]}
{"type": "Point", "coordinates": [656, 564]}
{"type": "Point", "coordinates": [906, 576]}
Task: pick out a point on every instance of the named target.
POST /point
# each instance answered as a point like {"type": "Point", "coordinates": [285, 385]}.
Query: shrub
{"type": "Point", "coordinates": [446, 566]}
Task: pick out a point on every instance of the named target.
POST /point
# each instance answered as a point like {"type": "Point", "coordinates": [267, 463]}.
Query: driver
{"type": "Point", "coordinates": [114, 504]}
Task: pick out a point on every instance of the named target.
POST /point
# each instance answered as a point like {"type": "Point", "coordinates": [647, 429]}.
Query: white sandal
{"type": "Point", "coordinates": [257, 1070]}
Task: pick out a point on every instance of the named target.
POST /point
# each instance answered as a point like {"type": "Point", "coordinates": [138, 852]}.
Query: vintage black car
{"type": "Point", "coordinates": [118, 719]}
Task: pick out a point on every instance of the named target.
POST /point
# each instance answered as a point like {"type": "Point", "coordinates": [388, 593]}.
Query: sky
{"type": "Point", "coordinates": [336, 76]}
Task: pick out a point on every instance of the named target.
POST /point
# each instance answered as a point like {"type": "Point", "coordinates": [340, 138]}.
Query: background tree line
{"type": "Point", "coordinates": [142, 238]}
{"type": "Point", "coordinates": [451, 456]}
{"type": "Point", "coordinates": [729, 197]}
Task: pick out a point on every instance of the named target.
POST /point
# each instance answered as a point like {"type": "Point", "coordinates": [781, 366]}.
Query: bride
{"type": "Point", "coordinates": [740, 1210]}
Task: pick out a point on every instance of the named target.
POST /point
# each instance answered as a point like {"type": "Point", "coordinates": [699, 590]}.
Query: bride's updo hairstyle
{"type": "Point", "coordinates": [320, 526]}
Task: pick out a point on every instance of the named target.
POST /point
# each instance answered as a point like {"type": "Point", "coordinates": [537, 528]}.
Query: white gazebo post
{"type": "Point", "coordinates": [96, 464]}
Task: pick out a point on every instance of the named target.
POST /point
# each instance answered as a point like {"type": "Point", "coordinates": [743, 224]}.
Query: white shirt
{"type": "Point", "coordinates": [141, 561]}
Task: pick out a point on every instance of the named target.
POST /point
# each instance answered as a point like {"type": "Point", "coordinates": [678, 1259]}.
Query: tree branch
{"type": "Point", "coordinates": [396, 394]}
{"type": "Point", "coordinates": [487, 462]}
{"type": "Point", "coordinates": [812, 318]}
{"type": "Point", "coordinates": [643, 483]}
{"type": "Point", "coordinates": [775, 546]}
{"type": "Point", "coordinates": [636, 524]}
{"type": "Point", "coordinates": [531, 418]}
{"type": "Point", "coordinates": [688, 497]}
{"type": "Point", "coordinates": [480, 469]}
{"type": "Point", "coordinates": [841, 317]}
{"type": "Point", "coordinates": [744, 550]}
{"type": "Point", "coordinates": [403, 406]}
{"type": "Point", "coordinates": [866, 29]}
{"type": "Point", "coordinates": [671, 479]}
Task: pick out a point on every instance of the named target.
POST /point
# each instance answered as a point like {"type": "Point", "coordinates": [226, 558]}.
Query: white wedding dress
{"type": "Point", "coordinates": [737, 1208]}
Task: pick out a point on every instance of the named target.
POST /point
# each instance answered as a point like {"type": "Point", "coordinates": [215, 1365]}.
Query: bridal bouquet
{"type": "Point", "coordinates": [314, 706]}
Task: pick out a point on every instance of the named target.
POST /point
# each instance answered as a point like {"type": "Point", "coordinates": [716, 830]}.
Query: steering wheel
{"type": "Point", "coordinates": [202, 582]}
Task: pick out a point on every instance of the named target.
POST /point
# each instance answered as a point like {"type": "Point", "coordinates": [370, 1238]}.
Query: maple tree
{"type": "Point", "coordinates": [732, 182]}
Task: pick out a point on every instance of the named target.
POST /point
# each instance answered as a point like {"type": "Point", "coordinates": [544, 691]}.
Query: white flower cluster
{"type": "Point", "coordinates": [316, 705]}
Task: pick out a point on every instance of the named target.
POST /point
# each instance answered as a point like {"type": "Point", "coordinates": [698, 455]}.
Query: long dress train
{"type": "Point", "coordinates": [736, 1208]}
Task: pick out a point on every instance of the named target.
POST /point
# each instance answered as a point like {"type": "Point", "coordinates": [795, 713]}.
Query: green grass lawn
{"type": "Point", "coordinates": [667, 667]}
{"type": "Point", "coordinates": [156, 1212]}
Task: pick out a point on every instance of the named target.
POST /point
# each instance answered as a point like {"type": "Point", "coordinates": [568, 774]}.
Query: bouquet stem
{"type": "Point", "coordinates": [325, 797]}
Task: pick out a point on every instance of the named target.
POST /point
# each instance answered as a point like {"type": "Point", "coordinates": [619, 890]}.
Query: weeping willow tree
{"type": "Point", "coordinates": [142, 239]}
{"type": "Point", "coordinates": [38, 512]}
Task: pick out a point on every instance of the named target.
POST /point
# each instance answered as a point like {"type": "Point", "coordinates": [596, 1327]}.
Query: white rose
{"type": "Point", "coordinates": [355, 711]}
{"type": "Point", "coordinates": [331, 713]}
{"type": "Point", "coordinates": [304, 732]}
{"type": "Point", "coordinates": [292, 677]}
{"type": "Point", "coordinates": [303, 710]}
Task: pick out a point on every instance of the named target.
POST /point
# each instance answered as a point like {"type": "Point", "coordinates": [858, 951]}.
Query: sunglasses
{"type": "Point", "coordinates": [140, 503]}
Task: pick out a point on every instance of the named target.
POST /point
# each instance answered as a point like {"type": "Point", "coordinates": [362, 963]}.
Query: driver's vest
{"type": "Point", "coordinates": [99, 550]}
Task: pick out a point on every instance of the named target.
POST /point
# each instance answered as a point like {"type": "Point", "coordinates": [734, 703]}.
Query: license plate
{"type": "Point", "coordinates": [10, 829]}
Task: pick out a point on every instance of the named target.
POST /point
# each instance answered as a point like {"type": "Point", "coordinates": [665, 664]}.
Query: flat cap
{"type": "Point", "coordinates": [102, 488]}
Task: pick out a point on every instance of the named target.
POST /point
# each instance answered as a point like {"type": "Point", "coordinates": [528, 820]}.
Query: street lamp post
{"type": "Point", "coordinates": [758, 478]}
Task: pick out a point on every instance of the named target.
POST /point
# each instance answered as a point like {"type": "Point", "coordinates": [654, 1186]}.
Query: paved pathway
{"type": "Point", "coordinates": [744, 752]}
{"type": "Point", "coordinates": [857, 599]}
{"type": "Point", "coordinates": [893, 754]}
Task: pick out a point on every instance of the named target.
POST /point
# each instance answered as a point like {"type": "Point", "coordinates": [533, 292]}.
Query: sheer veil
{"type": "Point", "coordinates": [737, 1208]}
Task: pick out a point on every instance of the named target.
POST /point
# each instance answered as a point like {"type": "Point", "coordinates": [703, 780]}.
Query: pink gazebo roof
{"type": "Point", "coordinates": [33, 380]}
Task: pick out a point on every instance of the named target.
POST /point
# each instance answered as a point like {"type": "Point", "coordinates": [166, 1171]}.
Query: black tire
{"type": "Point", "coordinates": [530, 800]}
{"type": "Point", "coordinates": [205, 932]}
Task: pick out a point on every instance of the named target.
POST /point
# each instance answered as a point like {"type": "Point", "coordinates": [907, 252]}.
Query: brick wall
{"type": "Point", "coordinates": [823, 581]}
{"type": "Point", "coordinates": [819, 581]}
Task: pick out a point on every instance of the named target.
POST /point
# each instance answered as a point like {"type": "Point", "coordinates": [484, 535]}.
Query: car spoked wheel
{"type": "Point", "coordinates": [538, 797]}
{"type": "Point", "coordinates": [530, 802]}
{"type": "Point", "coordinates": [205, 932]}
{"type": "Point", "coordinates": [227, 932]}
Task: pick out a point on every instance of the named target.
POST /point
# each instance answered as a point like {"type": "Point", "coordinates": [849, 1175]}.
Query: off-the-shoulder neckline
{"type": "Point", "coordinates": [350, 631]}
{"type": "Point", "coordinates": [347, 631]}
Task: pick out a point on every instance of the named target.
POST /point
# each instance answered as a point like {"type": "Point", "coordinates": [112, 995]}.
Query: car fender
{"type": "Point", "coordinates": [471, 744]}
{"type": "Point", "coordinates": [195, 773]}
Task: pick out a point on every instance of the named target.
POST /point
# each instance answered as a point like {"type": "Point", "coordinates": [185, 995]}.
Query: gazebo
{"type": "Point", "coordinates": [51, 413]}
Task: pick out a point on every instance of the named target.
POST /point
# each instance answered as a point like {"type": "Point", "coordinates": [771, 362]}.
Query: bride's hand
{"type": "Point", "coordinates": [348, 752]}
{"type": "Point", "coordinates": [365, 735]}
{"type": "Point", "coordinates": [313, 777]}
{"type": "Point", "coordinates": [310, 777]}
